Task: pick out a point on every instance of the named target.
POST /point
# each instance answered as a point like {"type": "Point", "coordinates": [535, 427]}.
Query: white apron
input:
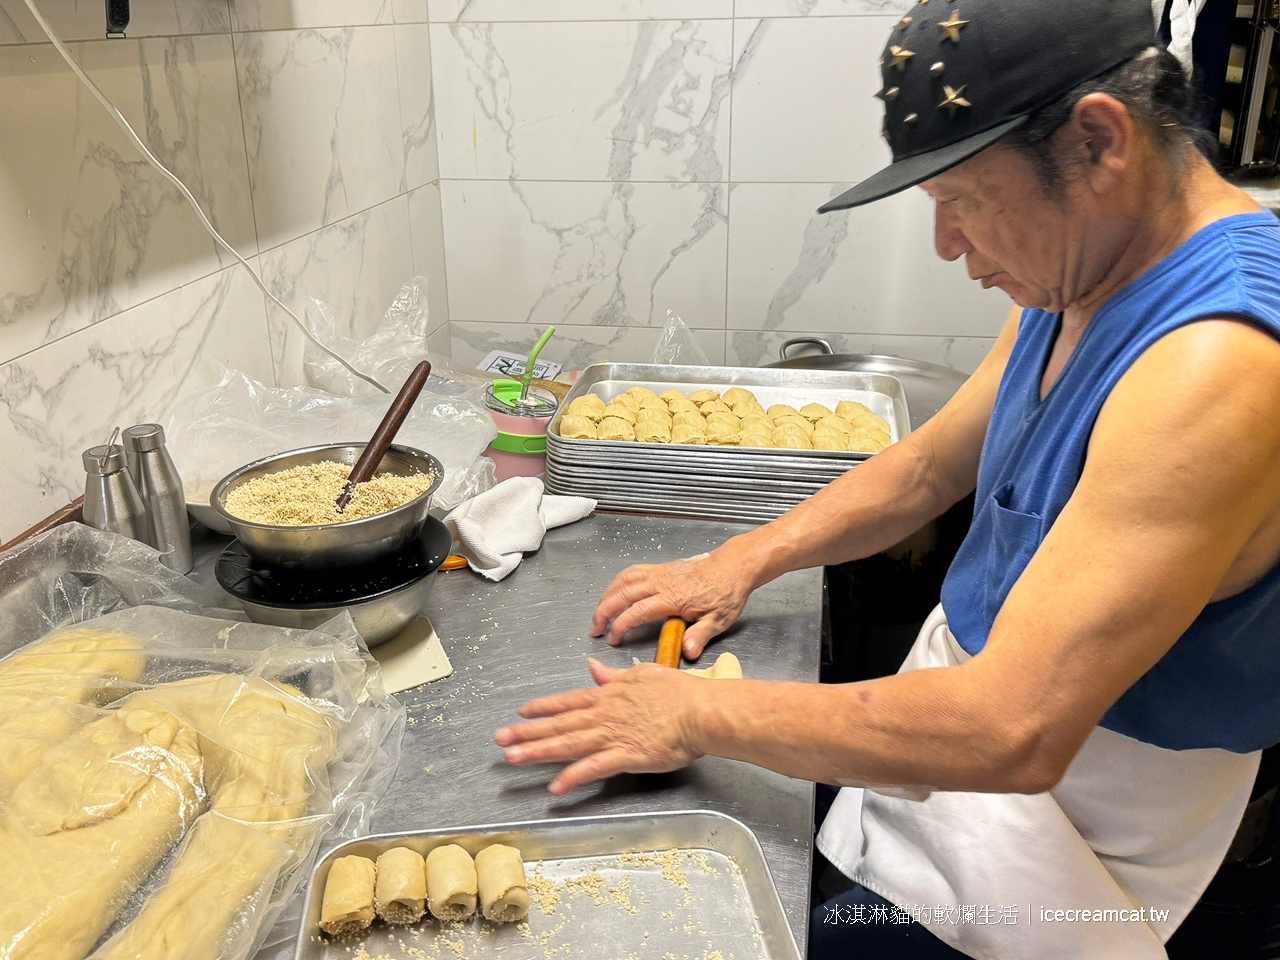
{"type": "Point", "coordinates": [1132, 827]}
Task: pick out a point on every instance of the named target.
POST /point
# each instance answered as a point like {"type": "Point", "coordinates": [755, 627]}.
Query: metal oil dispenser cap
{"type": "Point", "coordinates": [104, 459]}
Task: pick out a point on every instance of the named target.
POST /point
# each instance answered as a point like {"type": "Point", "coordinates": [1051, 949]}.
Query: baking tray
{"type": "Point", "coordinates": [681, 485]}
{"type": "Point", "coordinates": [714, 894]}
{"type": "Point", "coordinates": [882, 392]}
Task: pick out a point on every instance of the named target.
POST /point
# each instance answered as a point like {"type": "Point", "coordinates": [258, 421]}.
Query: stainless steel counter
{"type": "Point", "coordinates": [528, 636]}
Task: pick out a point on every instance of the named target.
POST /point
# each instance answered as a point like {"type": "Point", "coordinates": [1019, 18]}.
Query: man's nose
{"type": "Point", "coordinates": [948, 239]}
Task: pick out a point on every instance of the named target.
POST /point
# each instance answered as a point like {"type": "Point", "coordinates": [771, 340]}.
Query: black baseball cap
{"type": "Point", "coordinates": [960, 74]}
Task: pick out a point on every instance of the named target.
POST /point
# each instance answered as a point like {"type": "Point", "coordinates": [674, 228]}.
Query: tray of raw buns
{"type": "Point", "coordinates": [684, 884]}
{"type": "Point", "coordinates": [727, 443]}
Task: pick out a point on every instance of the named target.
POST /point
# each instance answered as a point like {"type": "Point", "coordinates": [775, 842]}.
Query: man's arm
{"type": "Point", "coordinates": [869, 509]}
{"type": "Point", "coordinates": [1153, 530]}
{"type": "Point", "coordinates": [1155, 524]}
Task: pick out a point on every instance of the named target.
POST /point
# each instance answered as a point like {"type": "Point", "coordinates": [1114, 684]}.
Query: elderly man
{"type": "Point", "coordinates": [1079, 724]}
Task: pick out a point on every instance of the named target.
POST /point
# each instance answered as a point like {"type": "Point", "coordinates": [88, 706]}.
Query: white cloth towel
{"type": "Point", "coordinates": [496, 529]}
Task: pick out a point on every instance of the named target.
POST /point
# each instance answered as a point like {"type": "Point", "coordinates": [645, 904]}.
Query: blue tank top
{"type": "Point", "coordinates": [1219, 685]}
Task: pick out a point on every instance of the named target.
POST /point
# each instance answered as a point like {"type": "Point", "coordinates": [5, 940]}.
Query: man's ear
{"type": "Point", "coordinates": [1100, 141]}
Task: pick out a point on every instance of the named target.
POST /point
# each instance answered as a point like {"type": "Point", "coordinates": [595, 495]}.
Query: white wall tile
{"type": "Point", "coordinates": [821, 8]}
{"type": "Point", "coordinates": [583, 101]}
{"type": "Point", "coordinates": [614, 254]}
{"type": "Point", "coordinates": [574, 346]}
{"type": "Point", "coordinates": [426, 226]}
{"type": "Point", "coordinates": [67, 396]}
{"type": "Point", "coordinates": [804, 106]}
{"type": "Point", "coordinates": [409, 11]}
{"type": "Point", "coordinates": [296, 14]}
{"type": "Point", "coordinates": [355, 266]}
{"type": "Point", "coordinates": [417, 111]}
{"type": "Point", "coordinates": [484, 10]}
{"type": "Point", "coordinates": [322, 124]}
{"type": "Point", "coordinates": [756, 348]}
{"type": "Point", "coordinates": [86, 19]}
{"type": "Point", "coordinates": [90, 229]}
{"type": "Point", "coordinates": [872, 270]}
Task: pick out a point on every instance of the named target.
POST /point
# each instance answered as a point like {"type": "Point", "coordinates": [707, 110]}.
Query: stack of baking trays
{"type": "Point", "coordinates": [715, 482]}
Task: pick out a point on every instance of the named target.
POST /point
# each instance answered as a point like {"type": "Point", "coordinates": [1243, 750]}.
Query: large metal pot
{"type": "Point", "coordinates": [928, 385]}
{"type": "Point", "coordinates": [876, 606]}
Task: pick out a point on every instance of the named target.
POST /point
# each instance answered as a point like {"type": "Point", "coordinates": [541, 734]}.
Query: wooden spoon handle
{"type": "Point", "coordinates": [670, 643]}
{"type": "Point", "coordinates": [376, 448]}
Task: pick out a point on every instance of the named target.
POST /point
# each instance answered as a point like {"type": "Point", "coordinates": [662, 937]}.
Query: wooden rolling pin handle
{"type": "Point", "coordinates": [376, 448]}
{"type": "Point", "coordinates": [670, 643]}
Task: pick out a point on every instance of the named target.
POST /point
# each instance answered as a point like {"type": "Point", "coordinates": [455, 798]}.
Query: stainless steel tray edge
{"type": "Point", "coordinates": [580, 837]}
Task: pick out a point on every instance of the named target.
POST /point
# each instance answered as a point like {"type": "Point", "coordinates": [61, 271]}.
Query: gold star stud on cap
{"type": "Point", "coordinates": [955, 100]}
{"type": "Point", "coordinates": [952, 27]}
{"type": "Point", "coordinates": [900, 57]}
{"type": "Point", "coordinates": [904, 23]}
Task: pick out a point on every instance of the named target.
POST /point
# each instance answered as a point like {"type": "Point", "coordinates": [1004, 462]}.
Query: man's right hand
{"type": "Point", "coordinates": [708, 592]}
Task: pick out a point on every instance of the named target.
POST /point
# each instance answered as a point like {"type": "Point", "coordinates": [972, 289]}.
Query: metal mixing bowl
{"type": "Point", "coordinates": [325, 546]}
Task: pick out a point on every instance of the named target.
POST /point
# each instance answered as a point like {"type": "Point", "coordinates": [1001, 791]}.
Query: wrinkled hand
{"type": "Point", "coordinates": [635, 721]}
{"type": "Point", "coordinates": [708, 592]}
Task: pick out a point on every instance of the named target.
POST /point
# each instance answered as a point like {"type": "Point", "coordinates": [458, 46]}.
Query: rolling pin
{"type": "Point", "coordinates": [670, 643]}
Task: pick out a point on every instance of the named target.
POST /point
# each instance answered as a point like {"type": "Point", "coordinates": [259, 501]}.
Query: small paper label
{"type": "Point", "coordinates": [509, 365]}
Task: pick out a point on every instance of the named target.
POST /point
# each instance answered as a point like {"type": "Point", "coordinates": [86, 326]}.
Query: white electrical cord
{"type": "Point", "coordinates": [182, 188]}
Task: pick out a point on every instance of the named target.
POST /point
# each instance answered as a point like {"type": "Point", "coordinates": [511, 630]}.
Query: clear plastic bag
{"type": "Point", "coordinates": [167, 777]}
{"type": "Point", "coordinates": [677, 344]}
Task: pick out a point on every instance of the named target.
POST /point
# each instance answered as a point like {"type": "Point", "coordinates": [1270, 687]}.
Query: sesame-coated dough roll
{"type": "Point", "coordinates": [400, 895]}
{"type": "Point", "coordinates": [348, 897]}
{"type": "Point", "coordinates": [504, 895]}
{"type": "Point", "coordinates": [451, 883]}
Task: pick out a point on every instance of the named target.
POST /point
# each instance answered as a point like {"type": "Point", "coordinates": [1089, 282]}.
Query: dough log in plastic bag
{"type": "Point", "coordinates": [174, 773]}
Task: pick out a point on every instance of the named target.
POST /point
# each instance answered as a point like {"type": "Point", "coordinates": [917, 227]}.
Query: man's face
{"type": "Point", "coordinates": [992, 210]}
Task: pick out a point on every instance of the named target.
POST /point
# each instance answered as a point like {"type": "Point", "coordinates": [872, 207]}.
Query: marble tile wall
{"type": "Point", "coordinates": [307, 130]}
{"type": "Point", "coordinates": [605, 161]}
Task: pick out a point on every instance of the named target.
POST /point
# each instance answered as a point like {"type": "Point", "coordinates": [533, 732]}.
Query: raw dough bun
{"type": "Point", "coordinates": [791, 427]}
{"type": "Point", "coordinates": [451, 883]}
{"type": "Point", "coordinates": [615, 428]}
{"type": "Point", "coordinates": [814, 412]}
{"type": "Point", "coordinates": [670, 395]}
{"type": "Point", "coordinates": [702, 396]}
{"type": "Point", "coordinates": [641, 393]}
{"type": "Point", "coordinates": [400, 894]}
{"type": "Point", "coordinates": [653, 431]}
{"type": "Point", "coordinates": [791, 441]}
{"type": "Point", "coordinates": [504, 893]}
{"type": "Point", "coordinates": [714, 406]}
{"type": "Point", "coordinates": [862, 442]}
{"type": "Point", "coordinates": [682, 405]}
{"type": "Point", "coordinates": [348, 897]}
{"type": "Point", "coordinates": [851, 409]}
{"type": "Point", "coordinates": [628, 401]}
{"type": "Point", "coordinates": [684, 433]}
{"type": "Point", "coordinates": [577, 428]}
{"type": "Point", "coordinates": [655, 416]}
{"type": "Point", "coordinates": [799, 423]}
{"type": "Point", "coordinates": [834, 422]}
{"type": "Point", "coordinates": [723, 435]}
{"type": "Point", "coordinates": [749, 409]}
{"type": "Point", "coordinates": [736, 395]}
{"type": "Point", "coordinates": [728, 419]}
{"type": "Point", "coordinates": [757, 419]}
{"type": "Point", "coordinates": [621, 411]}
{"type": "Point", "coordinates": [825, 438]}
{"type": "Point", "coordinates": [870, 422]}
{"type": "Point", "coordinates": [756, 440]}
{"type": "Point", "coordinates": [782, 410]}
{"type": "Point", "coordinates": [694, 420]}
{"type": "Point", "coordinates": [726, 667]}
{"type": "Point", "coordinates": [589, 406]}
{"type": "Point", "coordinates": [653, 403]}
